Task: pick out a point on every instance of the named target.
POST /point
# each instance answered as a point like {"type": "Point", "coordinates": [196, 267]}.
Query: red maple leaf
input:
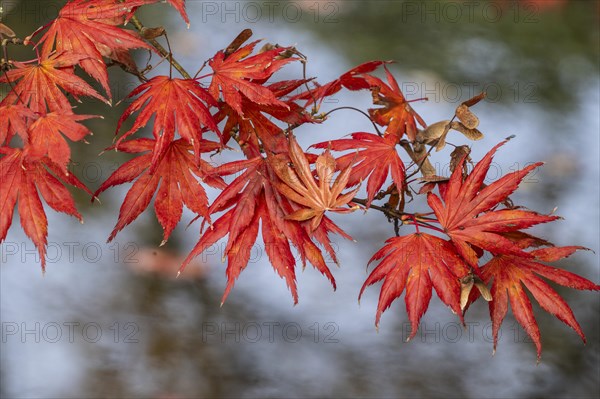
{"type": "Point", "coordinates": [235, 76]}
{"type": "Point", "coordinates": [21, 179]}
{"type": "Point", "coordinates": [509, 273]}
{"type": "Point", "coordinates": [174, 173]}
{"type": "Point", "coordinates": [251, 199]}
{"type": "Point", "coordinates": [252, 130]}
{"type": "Point", "coordinates": [39, 84]}
{"type": "Point", "coordinates": [179, 5]}
{"type": "Point", "coordinates": [467, 215]}
{"type": "Point", "coordinates": [90, 28]}
{"type": "Point", "coordinates": [176, 104]}
{"type": "Point", "coordinates": [45, 136]}
{"type": "Point", "coordinates": [417, 263]}
{"type": "Point", "coordinates": [397, 114]}
{"type": "Point", "coordinates": [15, 119]}
{"type": "Point", "coordinates": [375, 159]}
{"type": "Point", "coordinates": [255, 129]}
{"type": "Point", "coordinates": [351, 80]}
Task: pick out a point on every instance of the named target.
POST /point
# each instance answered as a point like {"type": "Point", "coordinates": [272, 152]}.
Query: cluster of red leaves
{"type": "Point", "coordinates": [277, 188]}
{"type": "Point", "coordinates": [37, 108]}
{"type": "Point", "coordinates": [468, 213]}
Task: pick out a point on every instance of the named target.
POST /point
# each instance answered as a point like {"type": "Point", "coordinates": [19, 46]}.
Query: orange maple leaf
{"type": "Point", "coordinates": [316, 196]}
{"type": "Point", "coordinates": [15, 119]}
{"type": "Point", "coordinates": [90, 28]}
{"type": "Point", "coordinates": [45, 138]}
{"type": "Point", "coordinates": [351, 80]}
{"type": "Point", "coordinates": [397, 114]}
{"type": "Point", "coordinates": [249, 200]}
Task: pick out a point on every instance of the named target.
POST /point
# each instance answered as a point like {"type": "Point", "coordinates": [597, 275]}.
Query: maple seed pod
{"type": "Point", "coordinates": [471, 134]}
{"type": "Point", "coordinates": [238, 41]}
{"type": "Point", "coordinates": [266, 47]}
{"type": "Point", "coordinates": [474, 100]}
{"type": "Point", "coordinates": [432, 133]}
{"type": "Point", "coordinates": [483, 289]}
{"type": "Point", "coordinates": [468, 118]}
{"type": "Point", "coordinates": [466, 285]}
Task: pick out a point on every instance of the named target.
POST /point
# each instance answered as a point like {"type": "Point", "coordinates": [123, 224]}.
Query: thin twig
{"type": "Point", "coordinates": [166, 54]}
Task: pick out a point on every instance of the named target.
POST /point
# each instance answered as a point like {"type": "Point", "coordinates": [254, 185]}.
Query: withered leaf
{"type": "Point", "coordinates": [6, 31]}
{"type": "Point", "coordinates": [152, 33]}
{"type": "Point", "coordinates": [460, 152]}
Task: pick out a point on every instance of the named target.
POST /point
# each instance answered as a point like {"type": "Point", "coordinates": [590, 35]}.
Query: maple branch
{"type": "Point", "coordinates": [166, 54]}
{"type": "Point", "coordinates": [14, 40]}
{"type": "Point", "coordinates": [418, 219]}
{"type": "Point", "coordinates": [390, 213]}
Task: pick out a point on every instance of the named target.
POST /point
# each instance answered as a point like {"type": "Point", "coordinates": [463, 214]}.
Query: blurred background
{"type": "Point", "coordinates": [109, 320]}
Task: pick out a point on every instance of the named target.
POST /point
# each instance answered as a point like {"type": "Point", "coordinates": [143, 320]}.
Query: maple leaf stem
{"type": "Point", "coordinates": [204, 76]}
{"type": "Point", "coordinates": [166, 54]}
{"type": "Point", "coordinates": [357, 110]}
{"type": "Point", "coordinates": [415, 223]}
{"type": "Point", "coordinates": [418, 219]}
{"type": "Point", "coordinates": [429, 226]}
{"type": "Point", "coordinates": [200, 70]}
